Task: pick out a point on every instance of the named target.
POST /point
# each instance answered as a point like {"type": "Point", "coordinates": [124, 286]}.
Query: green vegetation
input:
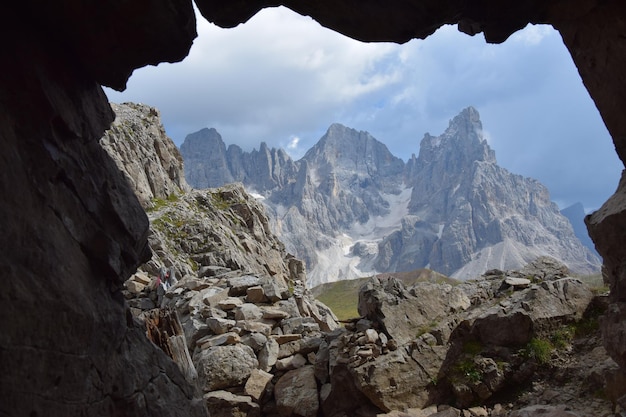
{"type": "Point", "coordinates": [539, 350]}
{"type": "Point", "coordinates": [342, 298]}
{"type": "Point", "coordinates": [563, 337]}
{"type": "Point", "coordinates": [219, 202]}
{"type": "Point", "coordinates": [427, 328]}
{"type": "Point", "coordinates": [468, 371]}
{"type": "Point", "coordinates": [586, 326]}
{"type": "Point", "coordinates": [159, 203]}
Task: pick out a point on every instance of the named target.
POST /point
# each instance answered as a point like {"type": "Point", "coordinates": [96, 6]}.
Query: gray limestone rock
{"type": "Point", "coordinates": [138, 144]}
{"type": "Point", "coordinates": [296, 393]}
{"type": "Point", "coordinates": [222, 367]}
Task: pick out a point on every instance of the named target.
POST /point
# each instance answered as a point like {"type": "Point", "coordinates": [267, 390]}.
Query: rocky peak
{"type": "Point", "coordinates": [461, 145]}
{"type": "Point", "coordinates": [209, 164]}
{"type": "Point", "coordinates": [138, 144]}
{"type": "Point", "coordinates": [204, 140]}
{"type": "Point", "coordinates": [205, 159]}
{"type": "Point", "coordinates": [353, 155]}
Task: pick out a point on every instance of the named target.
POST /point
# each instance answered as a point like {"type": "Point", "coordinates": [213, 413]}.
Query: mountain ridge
{"type": "Point", "coordinates": [350, 208]}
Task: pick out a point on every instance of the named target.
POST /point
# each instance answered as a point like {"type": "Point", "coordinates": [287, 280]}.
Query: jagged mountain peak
{"type": "Point", "coordinates": [348, 154]}
{"type": "Point", "coordinates": [460, 145]}
{"type": "Point", "coordinates": [340, 139]}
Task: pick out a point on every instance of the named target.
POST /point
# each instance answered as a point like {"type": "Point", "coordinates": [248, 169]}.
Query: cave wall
{"type": "Point", "coordinates": [72, 231]}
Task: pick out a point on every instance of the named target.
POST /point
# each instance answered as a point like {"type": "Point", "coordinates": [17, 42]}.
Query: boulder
{"type": "Point", "coordinates": [239, 285]}
{"type": "Point", "coordinates": [296, 393]}
{"type": "Point", "coordinates": [268, 355]}
{"type": "Point", "coordinates": [402, 313]}
{"type": "Point", "coordinates": [398, 379]}
{"type": "Point", "coordinates": [222, 367]}
{"type": "Point", "coordinates": [257, 384]}
{"type": "Point", "coordinates": [248, 311]}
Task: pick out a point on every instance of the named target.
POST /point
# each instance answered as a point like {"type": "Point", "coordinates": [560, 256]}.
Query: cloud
{"type": "Point", "coordinates": [293, 143]}
{"type": "Point", "coordinates": [282, 76]}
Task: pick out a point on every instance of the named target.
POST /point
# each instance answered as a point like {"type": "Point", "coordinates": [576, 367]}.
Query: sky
{"type": "Point", "coordinates": [283, 79]}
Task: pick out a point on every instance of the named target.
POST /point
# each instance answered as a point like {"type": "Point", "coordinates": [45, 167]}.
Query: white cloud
{"type": "Point", "coordinates": [532, 35]}
{"type": "Point", "coordinates": [293, 142]}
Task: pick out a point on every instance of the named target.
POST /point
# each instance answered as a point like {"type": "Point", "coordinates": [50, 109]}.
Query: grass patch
{"type": "Point", "coordinates": [468, 371]}
{"type": "Point", "coordinates": [342, 299]}
{"type": "Point", "coordinates": [563, 337]}
{"type": "Point", "coordinates": [539, 350]}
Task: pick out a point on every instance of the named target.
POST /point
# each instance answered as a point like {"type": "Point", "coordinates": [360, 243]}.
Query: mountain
{"type": "Point", "coordinates": [576, 215]}
{"type": "Point", "coordinates": [149, 159]}
{"type": "Point", "coordinates": [350, 208]}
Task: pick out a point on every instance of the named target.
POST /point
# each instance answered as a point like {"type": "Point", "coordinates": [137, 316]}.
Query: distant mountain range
{"type": "Point", "coordinates": [350, 208]}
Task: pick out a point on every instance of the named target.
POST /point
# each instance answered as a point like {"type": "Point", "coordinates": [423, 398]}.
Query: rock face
{"type": "Point", "coordinates": [72, 229]}
{"type": "Point", "coordinates": [350, 208]}
{"type": "Point", "coordinates": [74, 232]}
{"type": "Point", "coordinates": [140, 148]}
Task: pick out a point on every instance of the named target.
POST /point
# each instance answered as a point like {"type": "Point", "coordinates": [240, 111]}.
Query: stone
{"type": "Point", "coordinates": [517, 283]}
{"type": "Point", "coordinates": [255, 340]}
{"type": "Point", "coordinates": [274, 290]}
{"type": "Point", "coordinates": [478, 412]}
{"type": "Point", "coordinates": [256, 326]}
{"type": "Point", "coordinates": [299, 325]}
{"type": "Point", "coordinates": [291, 362]}
{"type": "Point", "coordinates": [223, 367]}
{"type": "Point", "coordinates": [447, 412]}
{"type": "Point", "coordinates": [371, 335]}
{"type": "Point", "coordinates": [220, 325]}
{"type": "Point", "coordinates": [225, 404]}
{"type": "Point", "coordinates": [229, 338]}
{"type": "Point", "coordinates": [257, 384]}
{"type": "Point", "coordinates": [274, 313]}
{"type": "Point", "coordinates": [230, 303]}
{"type": "Point", "coordinates": [239, 286]}
{"type": "Point", "coordinates": [141, 277]}
{"type": "Point", "coordinates": [286, 338]}
{"type": "Point", "coordinates": [406, 312]}
{"type": "Point", "coordinates": [268, 355]}
{"type": "Point", "coordinates": [304, 346]}
{"type": "Point", "coordinates": [255, 295]}
{"type": "Point", "coordinates": [248, 311]}
{"type": "Point", "coordinates": [296, 393]}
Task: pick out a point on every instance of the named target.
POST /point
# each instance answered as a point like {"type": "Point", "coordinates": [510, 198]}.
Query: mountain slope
{"type": "Point", "coordinates": [350, 208]}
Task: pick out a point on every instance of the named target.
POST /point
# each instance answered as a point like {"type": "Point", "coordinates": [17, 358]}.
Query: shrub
{"type": "Point", "coordinates": [562, 337]}
{"type": "Point", "coordinates": [539, 350]}
{"type": "Point", "coordinates": [468, 371]}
